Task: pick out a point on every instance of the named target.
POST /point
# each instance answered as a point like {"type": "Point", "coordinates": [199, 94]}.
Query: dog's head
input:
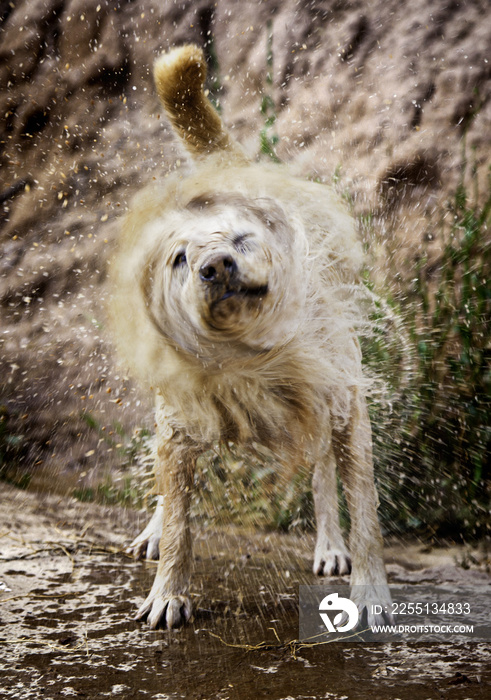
{"type": "Point", "coordinates": [223, 270]}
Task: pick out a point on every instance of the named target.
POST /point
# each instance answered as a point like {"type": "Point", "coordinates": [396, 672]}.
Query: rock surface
{"type": "Point", "coordinates": [379, 93]}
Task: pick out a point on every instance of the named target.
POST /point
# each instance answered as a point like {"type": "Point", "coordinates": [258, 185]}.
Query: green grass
{"type": "Point", "coordinates": [131, 486]}
{"type": "Point", "coordinates": [111, 492]}
{"type": "Point", "coordinates": [237, 487]}
{"type": "Point", "coordinates": [432, 444]}
{"type": "Point", "coordinates": [12, 449]}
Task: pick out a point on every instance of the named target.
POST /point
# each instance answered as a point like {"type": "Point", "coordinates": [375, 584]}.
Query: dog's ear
{"type": "Point", "coordinates": [179, 77]}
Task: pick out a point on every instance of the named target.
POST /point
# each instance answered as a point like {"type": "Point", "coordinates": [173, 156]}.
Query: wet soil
{"type": "Point", "coordinates": [68, 593]}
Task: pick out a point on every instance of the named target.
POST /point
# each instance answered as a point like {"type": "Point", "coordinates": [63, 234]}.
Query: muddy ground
{"type": "Point", "coordinates": [68, 594]}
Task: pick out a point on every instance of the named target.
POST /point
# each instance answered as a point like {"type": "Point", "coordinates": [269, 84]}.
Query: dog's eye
{"type": "Point", "coordinates": [241, 242]}
{"type": "Point", "coordinates": [179, 260]}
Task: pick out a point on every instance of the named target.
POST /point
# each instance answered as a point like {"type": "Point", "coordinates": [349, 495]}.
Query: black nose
{"type": "Point", "coordinates": [219, 269]}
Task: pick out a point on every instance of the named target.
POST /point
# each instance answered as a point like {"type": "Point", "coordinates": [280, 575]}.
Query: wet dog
{"type": "Point", "coordinates": [238, 299]}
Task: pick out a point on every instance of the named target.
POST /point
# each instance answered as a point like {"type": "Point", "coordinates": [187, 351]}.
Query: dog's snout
{"type": "Point", "coordinates": [219, 269]}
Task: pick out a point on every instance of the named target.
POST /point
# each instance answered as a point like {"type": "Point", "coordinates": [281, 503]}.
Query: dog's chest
{"type": "Point", "coordinates": [282, 415]}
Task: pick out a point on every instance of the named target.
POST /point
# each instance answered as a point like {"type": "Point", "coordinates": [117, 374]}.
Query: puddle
{"type": "Point", "coordinates": [68, 595]}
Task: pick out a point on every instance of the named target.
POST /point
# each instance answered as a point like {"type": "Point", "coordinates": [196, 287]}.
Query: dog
{"type": "Point", "coordinates": [238, 300]}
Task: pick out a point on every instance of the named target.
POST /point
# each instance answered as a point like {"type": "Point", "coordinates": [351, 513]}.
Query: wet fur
{"type": "Point", "coordinates": [238, 300]}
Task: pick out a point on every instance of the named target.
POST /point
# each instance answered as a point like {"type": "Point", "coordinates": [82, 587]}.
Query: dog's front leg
{"type": "Point", "coordinates": [353, 450]}
{"type": "Point", "coordinates": [331, 557]}
{"type": "Point", "coordinates": [168, 604]}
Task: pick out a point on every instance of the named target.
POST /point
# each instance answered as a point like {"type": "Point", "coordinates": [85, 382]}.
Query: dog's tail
{"type": "Point", "coordinates": [179, 76]}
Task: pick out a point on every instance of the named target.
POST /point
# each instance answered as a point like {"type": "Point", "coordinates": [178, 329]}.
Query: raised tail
{"type": "Point", "coordinates": [179, 77]}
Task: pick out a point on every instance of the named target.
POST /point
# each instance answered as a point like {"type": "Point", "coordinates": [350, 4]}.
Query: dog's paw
{"type": "Point", "coordinates": [331, 562]}
{"type": "Point", "coordinates": [374, 604]}
{"type": "Point", "coordinates": [165, 611]}
{"type": "Point", "coordinates": [145, 546]}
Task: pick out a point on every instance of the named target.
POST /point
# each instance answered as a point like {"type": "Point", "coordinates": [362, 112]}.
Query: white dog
{"type": "Point", "coordinates": [237, 298]}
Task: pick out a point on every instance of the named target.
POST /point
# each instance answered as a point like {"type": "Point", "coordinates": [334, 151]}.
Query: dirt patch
{"type": "Point", "coordinates": [68, 593]}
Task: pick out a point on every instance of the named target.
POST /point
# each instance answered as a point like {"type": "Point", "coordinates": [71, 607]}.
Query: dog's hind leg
{"type": "Point", "coordinates": [353, 452]}
{"type": "Point", "coordinates": [168, 604]}
{"type": "Point", "coordinates": [331, 556]}
{"type": "Point", "coordinates": [146, 545]}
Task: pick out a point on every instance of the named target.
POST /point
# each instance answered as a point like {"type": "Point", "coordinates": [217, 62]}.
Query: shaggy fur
{"type": "Point", "coordinates": [237, 298]}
